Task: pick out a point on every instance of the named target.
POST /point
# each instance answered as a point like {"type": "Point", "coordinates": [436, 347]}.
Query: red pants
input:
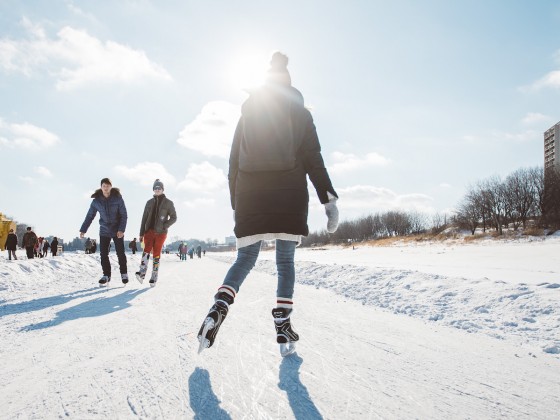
{"type": "Point", "coordinates": [153, 242]}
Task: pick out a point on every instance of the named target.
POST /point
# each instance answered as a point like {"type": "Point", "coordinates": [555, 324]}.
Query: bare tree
{"type": "Point", "coordinates": [519, 196]}
{"type": "Point", "coordinates": [396, 223]}
{"type": "Point", "coordinates": [492, 192]}
{"type": "Point", "coordinates": [470, 212]}
{"type": "Point", "coordinates": [439, 223]}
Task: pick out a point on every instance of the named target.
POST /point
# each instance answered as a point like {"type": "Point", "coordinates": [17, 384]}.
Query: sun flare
{"type": "Point", "coordinates": [248, 71]}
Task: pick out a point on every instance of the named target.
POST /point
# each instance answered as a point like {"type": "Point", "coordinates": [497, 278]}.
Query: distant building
{"type": "Point", "coordinates": [552, 147]}
{"type": "Point", "coordinates": [230, 240]}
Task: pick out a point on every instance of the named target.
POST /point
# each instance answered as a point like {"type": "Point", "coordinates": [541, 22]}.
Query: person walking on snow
{"type": "Point", "coordinates": [46, 247]}
{"type": "Point", "coordinates": [54, 246]}
{"type": "Point", "coordinates": [28, 242]}
{"type": "Point", "coordinates": [183, 249]}
{"type": "Point", "coordinates": [133, 246]}
{"type": "Point", "coordinates": [159, 215]}
{"type": "Point", "coordinates": [11, 244]}
{"type": "Point", "coordinates": [274, 149]}
{"type": "Point", "coordinates": [108, 202]}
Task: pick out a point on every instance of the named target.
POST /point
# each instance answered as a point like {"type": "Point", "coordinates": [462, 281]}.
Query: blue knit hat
{"type": "Point", "coordinates": [157, 183]}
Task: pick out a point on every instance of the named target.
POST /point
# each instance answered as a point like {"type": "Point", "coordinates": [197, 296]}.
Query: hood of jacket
{"type": "Point", "coordinates": [99, 193]}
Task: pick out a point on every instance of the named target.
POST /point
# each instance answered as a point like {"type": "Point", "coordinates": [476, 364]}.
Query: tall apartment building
{"type": "Point", "coordinates": [552, 147]}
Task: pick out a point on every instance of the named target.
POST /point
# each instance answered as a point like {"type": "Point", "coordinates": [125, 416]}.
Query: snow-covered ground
{"type": "Point", "coordinates": [412, 331]}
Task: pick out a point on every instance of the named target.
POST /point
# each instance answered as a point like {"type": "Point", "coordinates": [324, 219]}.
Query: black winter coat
{"type": "Point", "coordinates": [29, 239]}
{"type": "Point", "coordinates": [275, 200]}
{"type": "Point", "coordinates": [11, 242]}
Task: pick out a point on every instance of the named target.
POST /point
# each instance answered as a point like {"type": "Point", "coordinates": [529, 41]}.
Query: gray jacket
{"type": "Point", "coordinates": [165, 214]}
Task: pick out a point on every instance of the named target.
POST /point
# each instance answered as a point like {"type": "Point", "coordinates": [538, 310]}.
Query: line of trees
{"type": "Point", "coordinates": [379, 225]}
{"type": "Point", "coordinates": [528, 194]}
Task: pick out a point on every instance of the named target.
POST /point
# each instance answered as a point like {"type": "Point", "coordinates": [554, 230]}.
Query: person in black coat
{"type": "Point", "coordinates": [133, 246]}
{"type": "Point", "coordinates": [28, 242]}
{"type": "Point", "coordinates": [275, 148]}
{"type": "Point", "coordinates": [11, 244]}
{"type": "Point", "coordinates": [54, 246]}
{"type": "Point", "coordinates": [46, 247]}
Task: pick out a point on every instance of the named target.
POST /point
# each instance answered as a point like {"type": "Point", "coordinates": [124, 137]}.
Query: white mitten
{"type": "Point", "coordinates": [332, 213]}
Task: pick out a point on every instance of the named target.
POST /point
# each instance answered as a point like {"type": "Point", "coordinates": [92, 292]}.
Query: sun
{"type": "Point", "coordinates": [248, 71]}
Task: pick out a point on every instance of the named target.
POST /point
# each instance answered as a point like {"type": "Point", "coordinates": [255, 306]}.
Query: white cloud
{"type": "Point", "coordinates": [199, 202]}
{"type": "Point", "coordinates": [4, 142]}
{"type": "Point", "coordinates": [203, 177]}
{"type": "Point", "coordinates": [79, 12]}
{"type": "Point", "coordinates": [445, 185]}
{"type": "Point", "coordinates": [503, 136]}
{"type": "Point", "coordinates": [378, 199]}
{"type": "Point", "coordinates": [345, 162]}
{"type": "Point", "coordinates": [535, 118]}
{"type": "Point", "coordinates": [146, 173]}
{"type": "Point", "coordinates": [549, 80]}
{"type": "Point", "coordinates": [76, 58]}
{"type": "Point", "coordinates": [211, 132]}
{"type": "Point", "coordinates": [26, 136]}
{"type": "Point", "coordinates": [43, 171]}
{"type": "Point", "coordinates": [27, 179]}
{"type": "Point", "coordinates": [524, 136]}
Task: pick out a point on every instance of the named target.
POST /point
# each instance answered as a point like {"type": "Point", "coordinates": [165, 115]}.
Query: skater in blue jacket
{"type": "Point", "coordinates": [108, 202]}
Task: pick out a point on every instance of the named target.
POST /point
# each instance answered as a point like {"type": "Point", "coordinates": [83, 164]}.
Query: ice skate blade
{"type": "Point", "coordinates": [152, 284]}
{"type": "Point", "coordinates": [139, 278]}
{"type": "Point", "coordinates": [204, 342]}
{"type": "Point", "coordinates": [287, 348]}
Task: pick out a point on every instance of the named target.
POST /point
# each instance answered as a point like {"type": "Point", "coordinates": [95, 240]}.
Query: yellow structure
{"type": "Point", "coordinates": [5, 226]}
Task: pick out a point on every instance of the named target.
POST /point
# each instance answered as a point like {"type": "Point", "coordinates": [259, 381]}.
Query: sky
{"type": "Point", "coordinates": [445, 333]}
{"type": "Point", "coordinates": [413, 101]}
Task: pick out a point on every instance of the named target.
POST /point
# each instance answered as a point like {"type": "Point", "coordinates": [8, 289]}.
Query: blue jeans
{"type": "Point", "coordinates": [247, 257]}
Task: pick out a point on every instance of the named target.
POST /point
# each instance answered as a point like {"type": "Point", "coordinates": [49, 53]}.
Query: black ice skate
{"type": "Point", "coordinates": [285, 335]}
{"type": "Point", "coordinates": [211, 325]}
{"type": "Point", "coordinates": [104, 281]}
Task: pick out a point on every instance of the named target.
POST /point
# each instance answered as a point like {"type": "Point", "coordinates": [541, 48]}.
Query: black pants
{"type": "Point", "coordinates": [29, 252]}
{"type": "Point", "coordinates": [104, 243]}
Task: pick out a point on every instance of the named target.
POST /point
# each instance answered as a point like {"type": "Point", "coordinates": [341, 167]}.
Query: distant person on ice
{"type": "Point", "coordinates": [46, 247]}
{"type": "Point", "coordinates": [159, 215]}
{"type": "Point", "coordinates": [54, 246]}
{"type": "Point", "coordinates": [88, 246]}
{"type": "Point", "coordinates": [28, 242]}
{"type": "Point", "coordinates": [275, 148]}
{"type": "Point", "coordinates": [133, 246]}
{"type": "Point", "coordinates": [11, 244]}
{"type": "Point", "coordinates": [109, 203]}
{"type": "Point", "coordinates": [183, 249]}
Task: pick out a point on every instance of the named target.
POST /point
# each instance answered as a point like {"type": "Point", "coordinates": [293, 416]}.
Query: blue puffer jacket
{"type": "Point", "coordinates": [112, 213]}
